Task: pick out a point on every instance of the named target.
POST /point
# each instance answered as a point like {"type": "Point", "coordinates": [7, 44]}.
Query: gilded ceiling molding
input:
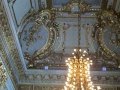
{"type": "Point", "coordinates": [82, 6]}
{"type": "Point", "coordinates": [42, 77]}
{"type": "Point", "coordinates": [108, 20]}
{"type": "Point", "coordinates": [44, 18]}
{"type": "Point", "coordinates": [47, 78]}
{"type": "Point", "coordinates": [7, 65]}
{"type": "Point", "coordinates": [3, 54]}
{"type": "Point", "coordinates": [47, 20]}
{"type": "Point", "coordinates": [8, 38]}
{"type": "Point", "coordinates": [37, 87]}
{"type": "Point", "coordinates": [3, 76]}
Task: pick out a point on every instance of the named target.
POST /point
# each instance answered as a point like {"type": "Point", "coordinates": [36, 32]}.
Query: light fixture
{"type": "Point", "coordinates": [78, 77]}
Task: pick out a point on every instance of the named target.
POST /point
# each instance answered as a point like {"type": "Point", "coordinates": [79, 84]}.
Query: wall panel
{"type": "Point", "coordinates": [20, 9]}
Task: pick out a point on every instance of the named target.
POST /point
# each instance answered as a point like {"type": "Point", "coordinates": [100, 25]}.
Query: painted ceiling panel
{"type": "Point", "coordinates": [94, 2]}
{"type": "Point", "coordinates": [59, 2]}
{"type": "Point", "coordinates": [35, 40]}
{"type": "Point", "coordinates": [71, 37]}
{"type": "Point", "coordinates": [63, 2]}
{"type": "Point", "coordinates": [108, 37]}
{"type": "Point", "coordinates": [20, 8]}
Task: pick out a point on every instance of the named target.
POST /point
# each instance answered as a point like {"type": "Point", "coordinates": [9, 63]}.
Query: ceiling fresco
{"type": "Point", "coordinates": [35, 51]}
{"type": "Point", "coordinates": [49, 37]}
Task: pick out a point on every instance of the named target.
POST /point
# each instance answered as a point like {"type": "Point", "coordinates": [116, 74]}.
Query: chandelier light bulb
{"type": "Point", "coordinates": [83, 54]}
{"type": "Point", "coordinates": [80, 50]}
{"type": "Point", "coordinates": [75, 57]}
{"type": "Point", "coordinates": [84, 51]}
{"type": "Point", "coordinates": [75, 50]}
{"type": "Point", "coordinates": [98, 87]}
{"type": "Point", "coordinates": [68, 58]}
{"type": "Point", "coordinates": [88, 59]}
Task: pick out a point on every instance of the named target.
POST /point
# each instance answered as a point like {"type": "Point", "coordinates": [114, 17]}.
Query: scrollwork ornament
{"type": "Point", "coordinates": [82, 6]}
{"type": "Point", "coordinates": [44, 18]}
{"type": "Point", "coordinates": [108, 24]}
{"type": "Point", "coordinates": [8, 40]}
{"type": "Point", "coordinates": [3, 76]}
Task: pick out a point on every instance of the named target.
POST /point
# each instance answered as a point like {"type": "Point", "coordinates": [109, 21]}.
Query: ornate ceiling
{"type": "Point", "coordinates": [36, 41]}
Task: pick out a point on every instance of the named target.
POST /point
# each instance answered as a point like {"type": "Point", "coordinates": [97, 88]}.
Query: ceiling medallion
{"type": "Point", "coordinates": [74, 6]}
{"type": "Point", "coordinates": [49, 33]}
{"type": "Point", "coordinates": [108, 34]}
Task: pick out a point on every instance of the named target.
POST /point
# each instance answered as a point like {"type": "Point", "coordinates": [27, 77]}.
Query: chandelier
{"type": "Point", "coordinates": [2, 75]}
{"type": "Point", "coordinates": [78, 77]}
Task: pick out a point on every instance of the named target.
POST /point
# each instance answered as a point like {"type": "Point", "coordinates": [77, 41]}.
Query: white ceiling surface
{"type": "Point", "coordinates": [20, 8]}
{"type": "Point", "coordinates": [69, 37]}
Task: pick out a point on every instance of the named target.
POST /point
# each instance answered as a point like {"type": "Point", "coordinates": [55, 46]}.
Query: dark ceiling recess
{"type": "Point", "coordinates": [104, 4]}
{"type": "Point", "coordinates": [114, 4]}
{"type": "Point", "coordinates": [49, 4]}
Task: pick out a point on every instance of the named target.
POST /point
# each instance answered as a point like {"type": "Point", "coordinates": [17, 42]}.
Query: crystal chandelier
{"type": "Point", "coordinates": [78, 77]}
{"type": "Point", "coordinates": [2, 75]}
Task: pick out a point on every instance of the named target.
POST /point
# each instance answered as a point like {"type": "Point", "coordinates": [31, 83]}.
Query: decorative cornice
{"type": "Point", "coordinates": [38, 87]}
{"type": "Point", "coordinates": [58, 77]}
{"type": "Point", "coordinates": [54, 80]}
{"type": "Point", "coordinates": [7, 37]}
{"type": "Point", "coordinates": [7, 65]}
